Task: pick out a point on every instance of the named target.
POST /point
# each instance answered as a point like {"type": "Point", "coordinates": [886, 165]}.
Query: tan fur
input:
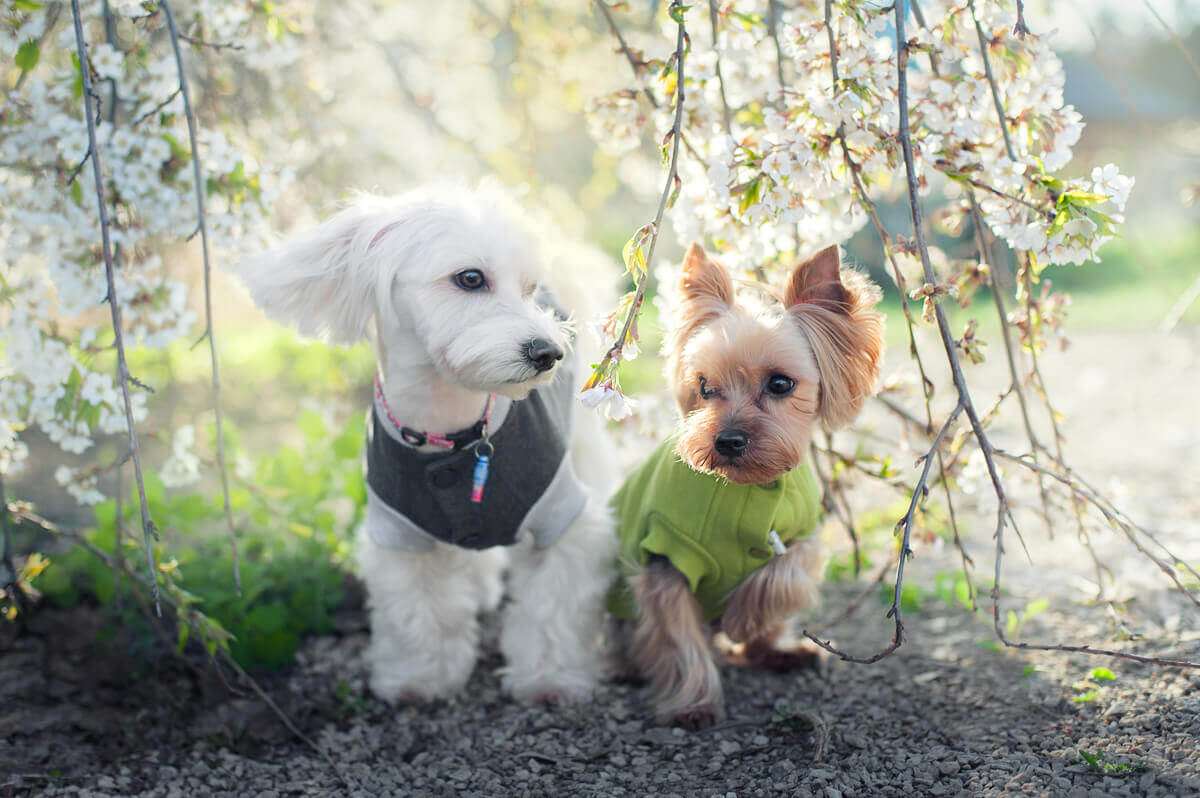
{"type": "Point", "coordinates": [835, 311]}
{"type": "Point", "coordinates": [772, 594]}
{"type": "Point", "coordinates": [670, 647]}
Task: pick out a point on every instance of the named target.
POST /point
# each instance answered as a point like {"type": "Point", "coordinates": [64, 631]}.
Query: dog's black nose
{"type": "Point", "coordinates": [732, 443]}
{"type": "Point", "coordinates": [543, 354]}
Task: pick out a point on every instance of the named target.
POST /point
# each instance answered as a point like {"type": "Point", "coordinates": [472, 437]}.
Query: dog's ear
{"type": "Point", "coordinates": [835, 310]}
{"type": "Point", "coordinates": [325, 281]}
{"type": "Point", "coordinates": [704, 280]}
{"type": "Point", "coordinates": [706, 291]}
{"type": "Point", "coordinates": [817, 281]}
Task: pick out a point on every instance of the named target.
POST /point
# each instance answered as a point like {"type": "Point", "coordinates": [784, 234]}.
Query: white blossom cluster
{"type": "Point", "coordinates": [58, 368]}
{"type": "Point", "coordinates": [776, 181]}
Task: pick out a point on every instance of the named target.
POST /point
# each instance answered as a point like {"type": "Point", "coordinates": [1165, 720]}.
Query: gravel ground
{"type": "Point", "coordinates": [946, 715]}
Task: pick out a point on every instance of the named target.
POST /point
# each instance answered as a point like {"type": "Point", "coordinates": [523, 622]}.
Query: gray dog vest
{"type": "Point", "coordinates": [416, 498]}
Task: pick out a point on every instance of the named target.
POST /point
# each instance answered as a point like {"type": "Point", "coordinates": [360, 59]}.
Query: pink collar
{"type": "Point", "coordinates": [454, 440]}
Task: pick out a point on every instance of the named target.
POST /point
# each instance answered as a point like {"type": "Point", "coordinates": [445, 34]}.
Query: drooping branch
{"type": "Point", "coordinates": [149, 530]}
{"type": "Point", "coordinates": [1174, 37]}
{"type": "Point", "coordinates": [712, 18]}
{"type": "Point", "coordinates": [991, 78]}
{"type": "Point", "coordinates": [905, 527]}
{"type": "Point", "coordinates": [12, 580]}
{"type": "Point", "coordinates": [202, 226]}
{"type": "Point", "coordinates": [885, 242]}
{"type": "Point", "coordinates": [614, 353]}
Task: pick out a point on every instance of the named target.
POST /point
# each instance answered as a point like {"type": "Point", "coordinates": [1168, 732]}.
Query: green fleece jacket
{"type": "Point", "coordinates": [713, 531]}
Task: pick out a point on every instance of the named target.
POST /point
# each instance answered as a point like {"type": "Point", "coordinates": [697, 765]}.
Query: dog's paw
{"type": "Point", "coordinates": [697, 716]}
{"type": "Point", "coordinates": [797, 656]}
{"type": "Point", "coordinates": [402, 691]}
{"type": "Point", "coordinates": [551, 689]}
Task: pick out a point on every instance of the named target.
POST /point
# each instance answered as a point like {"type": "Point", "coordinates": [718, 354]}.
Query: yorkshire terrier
{"type": "Point", "coordinates": [718, 526]}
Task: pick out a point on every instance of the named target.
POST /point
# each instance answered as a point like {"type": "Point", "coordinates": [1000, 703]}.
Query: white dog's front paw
{"type": "Point", "coordinates": [558, 687]}
{"type": "Point", "coordinates": [404, 688]}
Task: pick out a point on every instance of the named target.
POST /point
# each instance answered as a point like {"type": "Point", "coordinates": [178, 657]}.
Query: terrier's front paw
{"type": "Point", "coordinates": [553, 689]}
{"type": "Point", "coordinates": [766, 654]}
{"type": "Point", "coordinates": [697, 716]}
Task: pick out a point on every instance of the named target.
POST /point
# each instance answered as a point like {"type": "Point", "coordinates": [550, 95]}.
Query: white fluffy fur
{"type": "Point", "coordinates": [382, 268]}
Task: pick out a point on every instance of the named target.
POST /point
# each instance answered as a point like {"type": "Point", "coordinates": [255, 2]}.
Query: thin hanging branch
{"type": "Point", "coordinates": [987, 68]}
{"type": "Point", "coordinates": [889, 252]}
{"type": "Point", "coordinates": [905, 527]}
{"type": "Point", "coordinates": [1174, 37]}
{"type": "Point", "coordinates": [149, 530]}
{"type": "Point", "coordinates": [712, 18]}
{"type": "Point", "coordinates": [1010, 354]}
{"type": "Point", "coordinates": [202, 227]}
{"type": "Point", "coordinates": [990, 453]}
{"type": "Point", "coordinates": [773, 31]}
{"type": "Point", "coordinates": [675, 134]}
{"type": "Point", "coordinates": [12, 580]}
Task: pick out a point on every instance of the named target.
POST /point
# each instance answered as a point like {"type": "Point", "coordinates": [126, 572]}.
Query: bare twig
{"type": "Point", "coordinates": [202, 226]}
{"type": "Point", "coordinates": [712, 18]}
{"type": "Point", "coordinates": [211, 45]}
{"type": "Point", "coordinates": [965, 403]}
{"type": "Point", "coordinates": [636, 65]}
{"type": "Point", "coordinates": [773, 32]}
{"type": "Point", "coordinates": [1174, 37]}
{"type": "Point", "coordinates": [905, 528]}
{"type": "Point", "coordinates": [149, 530]}
{"type": "Point", "coordinates": [829, 501]}
{"type": "Point", "coordinates": [12, 580]}
{"type": "Point", "coordinates": [1010, 354]}
{"type": "Point", "coordinates": [991, 78]}
{"type": "Point", "coordinates": [156, 108]}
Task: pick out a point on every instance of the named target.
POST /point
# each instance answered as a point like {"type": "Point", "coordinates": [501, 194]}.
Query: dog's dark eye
{"type": "Point", "coordinates": [470, 280]}
{"type": "Point", "coordinates": [705, 391]}
{"type": "Point", "coordinates": [780, 385]}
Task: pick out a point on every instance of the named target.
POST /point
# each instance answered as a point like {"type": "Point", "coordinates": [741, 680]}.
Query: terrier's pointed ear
{"type": "Point", "coordinates": [704, 278]}
{"type": "Point", "coordinates": [818, 281]}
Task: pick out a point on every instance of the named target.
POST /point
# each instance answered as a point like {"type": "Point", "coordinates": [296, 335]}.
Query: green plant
{"type": "Point", "coordinates": [1100, 764]}
{"type": "Point", "coordinates": [295, 515]}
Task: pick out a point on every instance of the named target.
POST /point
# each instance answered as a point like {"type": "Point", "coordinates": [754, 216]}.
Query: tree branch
{"type": "Point", "coordinates": [614, 352]}
{"type": "Point", "coordinates": [712, 18]}
{"type": "Point", "coordinates": [202, 226]}
{"type": "Point", "coordinates": [149, 530]}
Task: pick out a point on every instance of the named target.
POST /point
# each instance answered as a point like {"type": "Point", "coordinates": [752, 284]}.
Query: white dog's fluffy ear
{"type": "Point", "coordinates": [325, 281]}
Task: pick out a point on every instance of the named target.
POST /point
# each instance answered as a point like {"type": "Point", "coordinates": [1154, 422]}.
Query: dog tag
{"type": "Point", "coordinates": [776, 543]}
{"type": "Point", "coordinates": [483, 461]}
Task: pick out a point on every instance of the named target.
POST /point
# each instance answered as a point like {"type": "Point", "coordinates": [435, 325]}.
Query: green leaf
{"type": "Point", "coordinates": [1078, 197]}
{"type": "Point", "coordinates": [26, 5]}
{"type": "Point", "coordinates": [28, 55]}
{"type": "Point", "coordinates": [1102, 674]}
{"type": "Point", "coordinates": [1036, 606]}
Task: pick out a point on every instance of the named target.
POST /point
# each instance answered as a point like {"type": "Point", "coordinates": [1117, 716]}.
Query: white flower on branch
{"type": "Point", "coordinates": [182, 467]}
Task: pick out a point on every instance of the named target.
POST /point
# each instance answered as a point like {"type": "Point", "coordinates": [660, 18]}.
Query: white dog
{"type": "Point", "coordinates": [473, 439]}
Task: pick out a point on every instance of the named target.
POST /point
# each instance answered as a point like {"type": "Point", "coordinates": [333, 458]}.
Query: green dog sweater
{"type": "Point", "coordinates": [716, 533]}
